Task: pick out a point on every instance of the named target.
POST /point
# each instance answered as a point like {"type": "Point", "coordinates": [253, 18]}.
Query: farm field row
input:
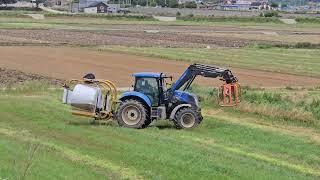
{"type": "Point", "coordinates": [69, 20]}
{"type": "Point", "coordinates": [290, 61]}
{"type": "Point", "coordinates": [177, 34]}
{"type": "Point", "coordinates": [67, 62]}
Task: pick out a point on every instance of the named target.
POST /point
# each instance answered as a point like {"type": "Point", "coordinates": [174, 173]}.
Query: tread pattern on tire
{"type": "Point", "coordinates": [181, 111]}
{"type": "Point", "coordinates": [141, 124]}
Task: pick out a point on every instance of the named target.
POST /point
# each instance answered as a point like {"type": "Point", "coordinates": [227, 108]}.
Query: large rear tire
{"type": "Point", "coordinates": [187, 118]}
{"type": "Point", "coordinates": [132, 114]}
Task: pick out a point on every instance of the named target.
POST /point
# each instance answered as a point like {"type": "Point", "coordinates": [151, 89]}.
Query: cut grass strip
{"type": "Point", "coordinates": [164, 152]}
{"type": "Point", "coordinates": [274, 161]}
{"type": "Point", "coordinates": [74, 155]}
{"type": "Point", "coordinates": [128, 173]}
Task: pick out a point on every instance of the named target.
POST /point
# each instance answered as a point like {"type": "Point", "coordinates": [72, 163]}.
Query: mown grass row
{"type": "Point", "coordinates": [72, 148]}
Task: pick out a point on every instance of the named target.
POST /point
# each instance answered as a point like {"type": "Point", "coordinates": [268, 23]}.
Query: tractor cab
{"type": "Point", "coordinates": [152, 85]}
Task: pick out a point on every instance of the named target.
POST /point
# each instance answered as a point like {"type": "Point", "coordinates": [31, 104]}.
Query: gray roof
{"type": "Point", "coordinates": [97, 3]}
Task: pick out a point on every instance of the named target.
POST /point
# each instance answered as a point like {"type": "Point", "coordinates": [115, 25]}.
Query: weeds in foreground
{"type": "Point", "coordinates": [301, 106]}
{"type": "Point", "coordinates": [22, 170]}
{"type": "Point", "coordinates": [28, 163]}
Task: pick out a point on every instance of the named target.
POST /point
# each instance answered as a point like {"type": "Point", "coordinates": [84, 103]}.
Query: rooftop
{"type": "Point", "coordinates": [147, 74]}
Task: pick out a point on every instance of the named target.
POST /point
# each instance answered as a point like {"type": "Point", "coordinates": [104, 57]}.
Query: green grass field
{"type": "Point", "coordinates": [40, 139]}
{"type": "Point", "coordinates": [273, 134]}
{"type": "Point", "coordinates": [269, 59]}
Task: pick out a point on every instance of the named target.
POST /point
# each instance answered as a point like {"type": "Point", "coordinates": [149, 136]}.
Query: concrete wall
{"type": "Point", "coordinates": [90, 10]}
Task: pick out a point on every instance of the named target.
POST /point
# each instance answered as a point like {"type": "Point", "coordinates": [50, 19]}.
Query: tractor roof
{"type": "Point", "coordinates": [147, 74]}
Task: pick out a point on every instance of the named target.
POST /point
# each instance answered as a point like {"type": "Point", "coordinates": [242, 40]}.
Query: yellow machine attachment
{"type": "Point", "coordinates": [91, 97]}
{"type": "Point", "coordinates": [229, 95]}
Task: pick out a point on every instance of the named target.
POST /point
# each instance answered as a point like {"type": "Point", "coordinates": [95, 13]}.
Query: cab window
{"type": "Point", "coordinates": [149, 87]}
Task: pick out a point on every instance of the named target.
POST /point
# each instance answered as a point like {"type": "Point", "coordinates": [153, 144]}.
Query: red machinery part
{"type": "Point", "coordinates": [229, 95]}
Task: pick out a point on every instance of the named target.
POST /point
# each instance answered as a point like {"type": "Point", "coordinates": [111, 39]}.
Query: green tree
{"type": "Point", "coordinates": [274, 5]}
{"type": "Point", "coordinates": [173, 3]}
{"type": "Point", "coordinates": [6, 2]}
{"type": "Point", "coordinates": [191, 4]}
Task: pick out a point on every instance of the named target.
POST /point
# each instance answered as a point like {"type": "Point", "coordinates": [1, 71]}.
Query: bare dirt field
{"type": "Point", "coordinates": [66, 63]}
{"type": "Point", "coordinates": [125, 37]}
{"type": "Point", "coordinates": [8, 77]}
{"type": "Point", "coordinates": [156, 35]}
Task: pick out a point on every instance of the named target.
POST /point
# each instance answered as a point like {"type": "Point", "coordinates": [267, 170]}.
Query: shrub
{"type": "Point", "coordinates": [178, 14]}
{"type": "Point", "coordinates": [173, 3]}
{"type": "Point", "coordinates": [190, 16]}
{"type": "Point", "coordinates": [300, 45]}
{"type": "Point", "coordinates": [153, 4]}
{"type": "Point", "coordinates": [314, 107]}
{"type": "Point", "coordinates": [307, 20]}
{"type": "Point", "coordinates": [191, 4]}
{"type": "Point", "coordinates": [270, 14]}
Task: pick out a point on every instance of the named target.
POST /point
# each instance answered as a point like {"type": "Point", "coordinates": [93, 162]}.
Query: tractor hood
{"type": "Point", "coordinates": [186, 97]}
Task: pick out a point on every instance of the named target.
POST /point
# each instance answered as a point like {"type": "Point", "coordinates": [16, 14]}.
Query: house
{"type": "Point", "coordinates": [97, 7]}
{"type": "Point", "coordinates": [87, 3]}
{"type": "Point", "coordinates": [90, 5]}
{"type": "Point", "coordinates": [57, 3]}
{"type": "Point", "coordinates": [239, 5]}
{"type": "Point", "coordinates": [260, 6]}
{"type": "Point", "coordinates": [245, 5]}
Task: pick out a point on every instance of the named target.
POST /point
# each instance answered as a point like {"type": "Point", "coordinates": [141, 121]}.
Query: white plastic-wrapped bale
{"type": "Point", "coordinates": [84, 98]}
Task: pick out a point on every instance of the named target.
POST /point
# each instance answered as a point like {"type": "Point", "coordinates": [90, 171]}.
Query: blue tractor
{"type": "Point", "coordinates": [150, 99]}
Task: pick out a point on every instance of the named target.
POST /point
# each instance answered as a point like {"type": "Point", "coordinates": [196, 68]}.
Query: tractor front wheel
{"type": "Point", "coordinates": [187, 118]}
{"type": "Point", "coordinates": [132, 114]}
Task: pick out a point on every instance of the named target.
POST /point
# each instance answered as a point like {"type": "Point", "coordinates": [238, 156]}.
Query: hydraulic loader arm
{"type": "Point", "coordinates": [194, 70]}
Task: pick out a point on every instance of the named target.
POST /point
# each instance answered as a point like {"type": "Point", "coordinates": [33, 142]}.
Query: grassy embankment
{"type": "Point", "coordinates": [298, 107]}
{"type": "Point", "coordinates": [40, 139]}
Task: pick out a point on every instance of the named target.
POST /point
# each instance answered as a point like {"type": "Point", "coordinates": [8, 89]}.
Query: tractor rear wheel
{"type": "Point", "coordinates": [132, 114]}
{"type": "Point", "coordinates": [187, 118]}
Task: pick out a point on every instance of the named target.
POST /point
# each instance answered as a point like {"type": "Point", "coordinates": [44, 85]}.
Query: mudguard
{"type": "Point", "coordinates": [175, 110]}
{"type": "Point", "coordinates": [135, 94]}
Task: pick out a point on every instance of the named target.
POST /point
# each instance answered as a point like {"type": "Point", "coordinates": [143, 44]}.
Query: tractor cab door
{"type": "Point", "coordinates": [150, 87]}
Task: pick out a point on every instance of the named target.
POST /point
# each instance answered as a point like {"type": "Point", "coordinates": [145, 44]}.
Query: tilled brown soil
{"type": "Point", "coordinates": [8, 77]}
{"type": "Point", "coordinates": [67, 63]}
{"type": "Point", "coordinates": [120, 37]}
{"type": "Point", "coordinates": [152, 35]}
